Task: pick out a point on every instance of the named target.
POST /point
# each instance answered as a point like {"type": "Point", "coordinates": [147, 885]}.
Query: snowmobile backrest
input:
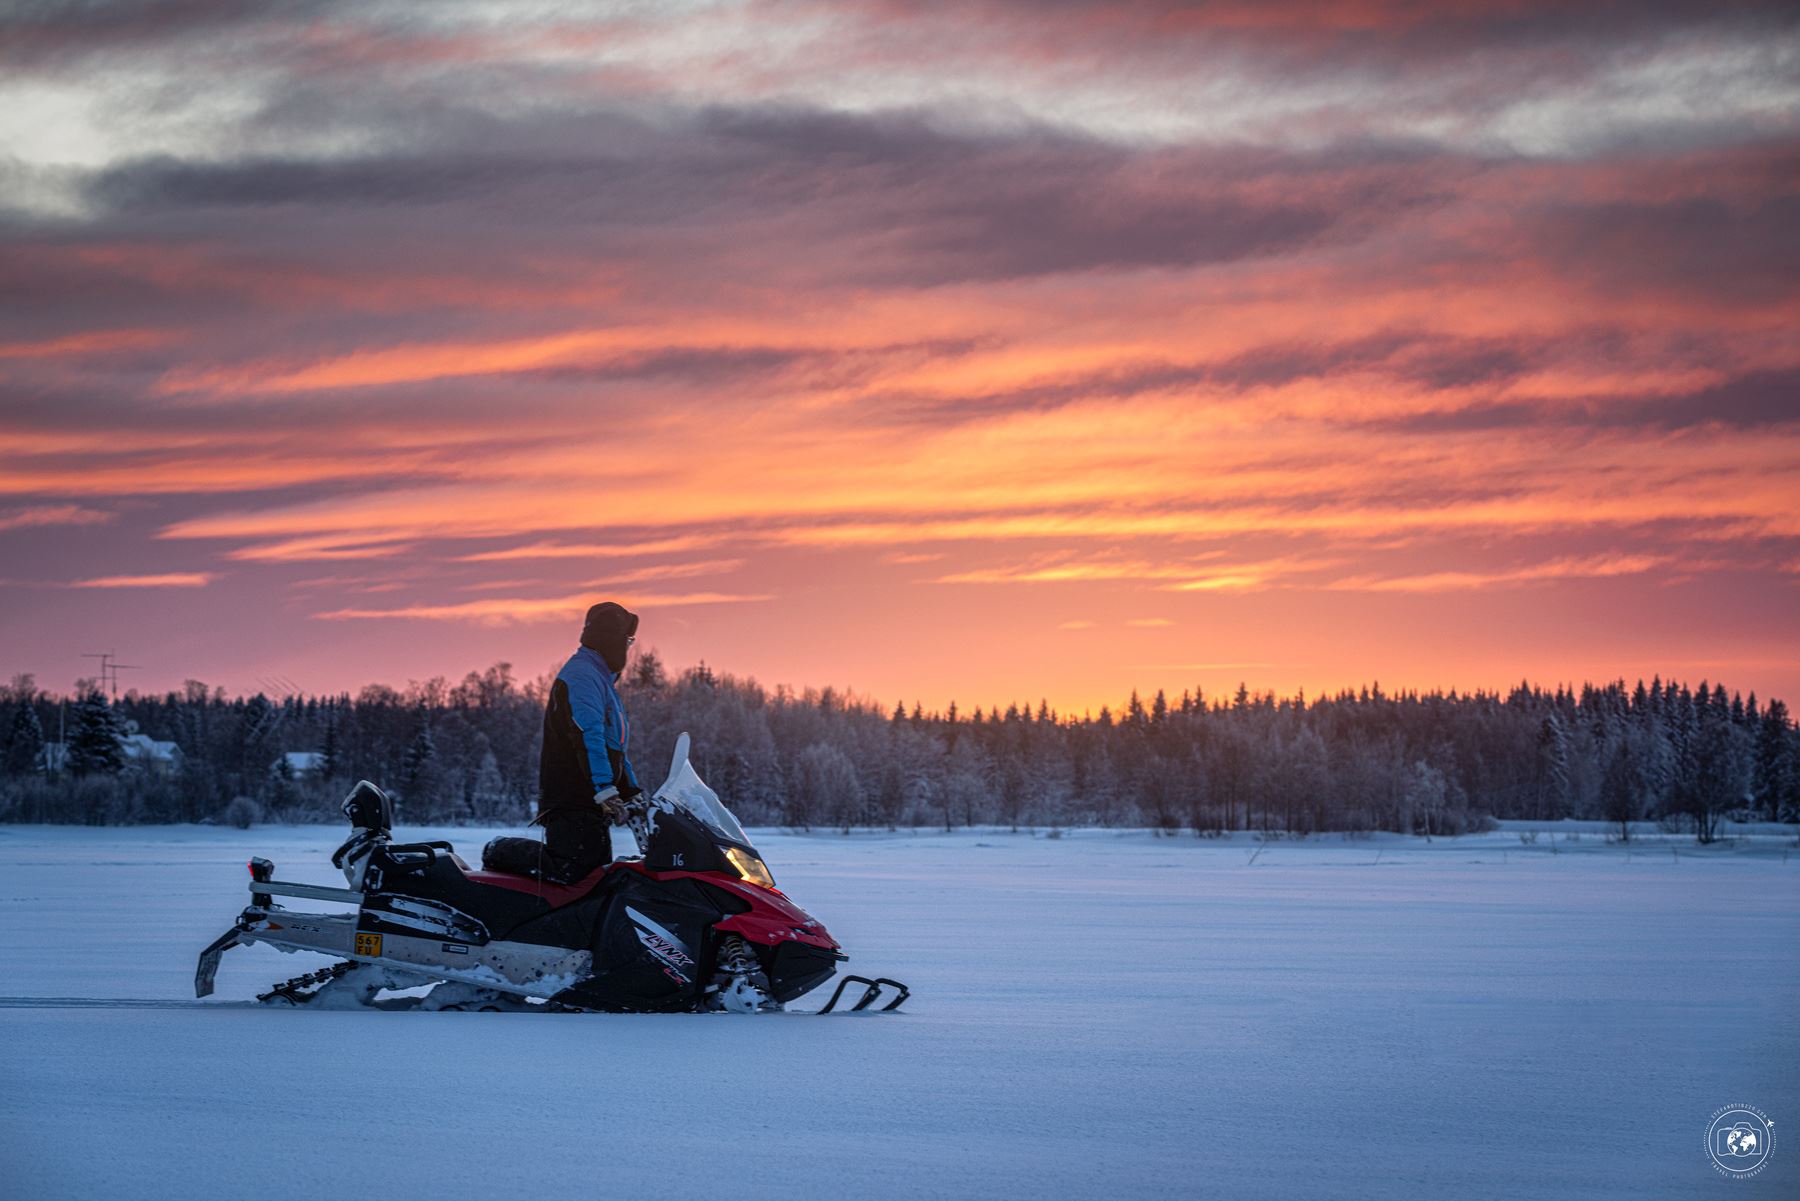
{"type": "Point", "coordinates": [368, 808]}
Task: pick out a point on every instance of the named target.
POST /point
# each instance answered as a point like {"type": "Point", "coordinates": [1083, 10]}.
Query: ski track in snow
{"type": "Point", "coordinates": [1103, 1015]}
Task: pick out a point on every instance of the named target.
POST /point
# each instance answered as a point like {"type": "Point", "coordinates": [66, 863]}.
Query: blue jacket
{"type": "Point", "coordinates": [585, 735]}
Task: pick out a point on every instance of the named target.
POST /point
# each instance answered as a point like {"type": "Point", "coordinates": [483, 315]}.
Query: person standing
{"type": "Point", "coordinates": [585, 779]}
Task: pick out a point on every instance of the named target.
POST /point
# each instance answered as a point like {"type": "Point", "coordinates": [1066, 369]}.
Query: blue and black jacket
{"type": "Point", "coordinates": [585, 736]}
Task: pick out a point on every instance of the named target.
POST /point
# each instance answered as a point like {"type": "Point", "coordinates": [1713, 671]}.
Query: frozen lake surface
{"type": "Point", "coordinates": [1100, 1015]}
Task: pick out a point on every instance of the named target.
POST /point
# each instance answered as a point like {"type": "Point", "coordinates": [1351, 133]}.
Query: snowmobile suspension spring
{"type": "Point", "coordinates": [735, 957]}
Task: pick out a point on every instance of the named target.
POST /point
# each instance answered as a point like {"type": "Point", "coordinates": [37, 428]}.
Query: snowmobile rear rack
{"type": "Point", "coordinates": [871, 990]}
{"type": "Point", "coordinates": [316, 892]}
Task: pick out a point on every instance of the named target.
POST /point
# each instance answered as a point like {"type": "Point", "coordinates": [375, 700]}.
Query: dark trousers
{"type": "Point", "coordinates": [577, 839]}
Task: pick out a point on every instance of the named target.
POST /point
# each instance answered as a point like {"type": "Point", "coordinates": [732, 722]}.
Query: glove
{"type": "Point", "coordinates": [611, 804]}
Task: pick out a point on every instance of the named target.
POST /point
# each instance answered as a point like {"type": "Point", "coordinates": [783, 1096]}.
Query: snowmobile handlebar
{"type": "Point", "coordinates": [429, 850]}
{"type": "Point", "coordinates": [421, 847]}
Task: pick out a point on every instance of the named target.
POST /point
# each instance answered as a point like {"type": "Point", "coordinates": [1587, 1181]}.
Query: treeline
{"type": "Point", "coordinates": [1430, 763]}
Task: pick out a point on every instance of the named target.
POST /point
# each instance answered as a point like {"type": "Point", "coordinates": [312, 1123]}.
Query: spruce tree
{"type": "Point", "coordinates": [330, 753]}
{"type": "Point", "coordinates": [1619, 790]}
{"type": "Point", "coordinates": [1553, 769]}
{"type": "Point", "coordinates": [25, 742]}
{"type": "Point", "coordinates": [419, 768]}
{"type": "Point", "coordinates": [1776, 774]}
{"type": "Point", "coordinates": [96, 745]}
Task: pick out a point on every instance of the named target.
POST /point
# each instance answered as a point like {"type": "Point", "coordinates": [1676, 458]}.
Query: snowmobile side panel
{"type": "Point", "coordinates": [569, 926]}
{"type": "Point", "coordinates": [769, 917]}
{"type": "Point", "coordinates": [653, 948]}
{"type": "Point", "coordinates": [512, 967]}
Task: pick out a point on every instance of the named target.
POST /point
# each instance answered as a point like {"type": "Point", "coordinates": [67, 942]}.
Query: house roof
{"type": "Point", "coordinates": [145, 748]}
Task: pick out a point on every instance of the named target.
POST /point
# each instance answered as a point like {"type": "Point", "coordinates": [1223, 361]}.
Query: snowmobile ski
{"type": "Point", "coordinates": [871, 991]}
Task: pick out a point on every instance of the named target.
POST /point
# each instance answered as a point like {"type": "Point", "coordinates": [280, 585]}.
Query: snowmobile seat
{"type": "Point", "coordinates": [557, 894]}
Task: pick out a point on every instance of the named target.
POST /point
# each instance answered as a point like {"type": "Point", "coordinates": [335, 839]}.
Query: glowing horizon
{"type": "Point", "coordinates": [997, 354]}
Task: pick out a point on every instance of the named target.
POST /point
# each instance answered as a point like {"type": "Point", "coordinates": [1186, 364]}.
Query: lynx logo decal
{"type": "Point", "coordinates": [665, 946]}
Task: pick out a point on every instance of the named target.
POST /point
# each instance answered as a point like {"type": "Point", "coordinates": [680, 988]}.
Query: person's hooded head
{"type": "Point", "coordinates": [609, 629]}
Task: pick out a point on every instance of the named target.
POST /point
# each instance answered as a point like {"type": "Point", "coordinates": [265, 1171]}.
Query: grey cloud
{"type": "Point", "coordinates": [1745, 247]}
{"type": "Point", "coordinates": [1343, 32]}
{"type": "Point", "coordinates": [1755, 400]}
{"type": "Point", "coordinates": [38, 33]}
{"type": "Point", "coordinates": [879, 199]}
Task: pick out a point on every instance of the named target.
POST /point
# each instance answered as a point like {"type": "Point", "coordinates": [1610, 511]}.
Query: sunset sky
{"type": "Point", "coordinates": [995, 350]}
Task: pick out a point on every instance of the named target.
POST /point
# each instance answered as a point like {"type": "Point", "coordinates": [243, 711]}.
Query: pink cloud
{"type": "Point", "coordinates": [43, 515]}
{"type": "Point", "coordinates": [173, 579]}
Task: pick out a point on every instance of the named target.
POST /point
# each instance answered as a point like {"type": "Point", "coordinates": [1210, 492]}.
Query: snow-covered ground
{"type": "Point", "coordinates": [1096, 1015]}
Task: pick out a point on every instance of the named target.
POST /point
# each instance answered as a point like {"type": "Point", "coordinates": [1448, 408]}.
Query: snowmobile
{"type": "Point", "coordinates": [695, 923]}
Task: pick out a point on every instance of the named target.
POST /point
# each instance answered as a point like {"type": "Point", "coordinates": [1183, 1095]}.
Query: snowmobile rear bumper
{"type": "Point", "coordinates": [208, 966]}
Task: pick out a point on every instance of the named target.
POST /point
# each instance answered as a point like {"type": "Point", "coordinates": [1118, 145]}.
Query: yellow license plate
{"type": "Point", "coordinates": [368, 944]}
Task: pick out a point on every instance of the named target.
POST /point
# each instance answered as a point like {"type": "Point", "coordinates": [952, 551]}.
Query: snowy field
{"type": "Point", "coordinates": [1102, 1015]}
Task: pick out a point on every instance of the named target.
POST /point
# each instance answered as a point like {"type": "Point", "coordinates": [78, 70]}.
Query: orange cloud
{"type": "Point", "coordinates": [592, 550]}
{"type": "Point", "coordinates": [667, 571]}
{"type": "Point", "coordinates": [530, 609]}
{"type": "Point", "coordinates": [174, 579]}
{"type": "Point", "coordinates": [325, 548]}
{"type": "Point", "coordinates": [1585, 568]}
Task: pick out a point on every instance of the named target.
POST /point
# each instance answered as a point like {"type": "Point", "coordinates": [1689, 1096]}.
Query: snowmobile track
{"type": "Point", "coordinates": [119, 1003]}
{"type": "Point", "coordinates": [155, 1003]}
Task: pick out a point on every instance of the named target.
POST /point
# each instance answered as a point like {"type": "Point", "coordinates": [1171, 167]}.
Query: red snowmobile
{"type": "Point", "coordinates": [696, 923]}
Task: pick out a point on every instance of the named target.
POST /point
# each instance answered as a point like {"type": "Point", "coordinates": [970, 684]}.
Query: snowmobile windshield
{"type": "Point", "coordinates": [686, 789]}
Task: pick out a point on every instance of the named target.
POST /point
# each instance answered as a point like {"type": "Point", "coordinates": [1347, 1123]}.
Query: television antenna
{"type": "Point", "coordinates": [110, 669]}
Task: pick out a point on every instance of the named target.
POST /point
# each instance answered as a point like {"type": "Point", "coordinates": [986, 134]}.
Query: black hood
{"type": "Point", "coordinates": [609, 630]}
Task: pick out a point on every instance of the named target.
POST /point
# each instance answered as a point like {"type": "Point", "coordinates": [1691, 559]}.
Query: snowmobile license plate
{"type": "Point", "coordinates": [368, 944]}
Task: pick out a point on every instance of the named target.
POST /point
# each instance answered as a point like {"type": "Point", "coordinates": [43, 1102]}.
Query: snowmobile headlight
{"type": "Point", "coordinates": [749, 867]}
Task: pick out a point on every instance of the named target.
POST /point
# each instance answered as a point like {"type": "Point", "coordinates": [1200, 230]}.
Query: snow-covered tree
{"type": "Point", "coordinates": [96, 743]}
{"type": "Point", "coordinates": [419, 770]}
{"type": "Point", "coordinates": [1776, 784]}
{"type": "Point", "coordinates": [1553, 768]}
{"type": "Point", "coordinates": [25, 741]}
{"type": "Point", "coordinates": [826, 788]}
{"type": "Point", "coordinates": [1621, 791]}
